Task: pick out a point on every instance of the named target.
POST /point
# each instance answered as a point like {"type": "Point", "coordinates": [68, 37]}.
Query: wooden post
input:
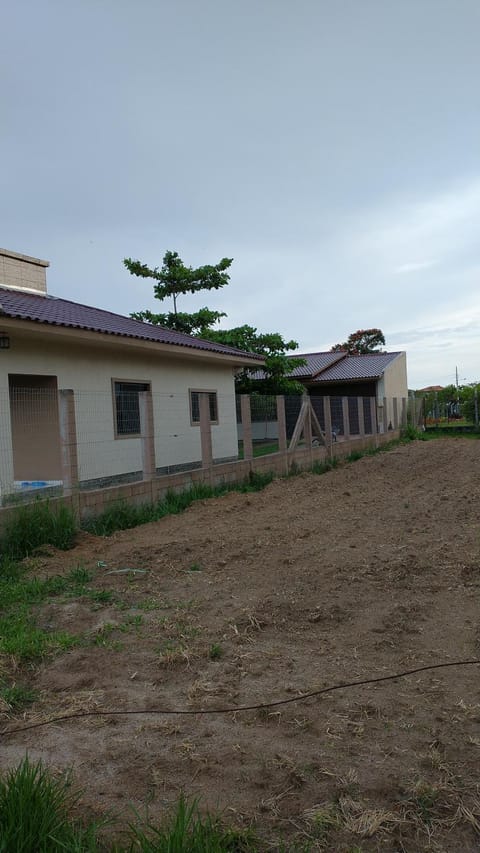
{"type": "Point", "coordinates": [147, 432]}
{"type": "Point", "coordinates": [346, 418]}
{"type": "Point", "coordinates": [205, 429]}
{"type": "Point", "coordinates": [68, 441]}
{"type": "Point", "coordinates": [300, 425]}
{"type": "Point", "coordinates": [395, 413]}
{"type": "Point", "coordinates": [361, 417]}
{"type": "Point", "coordinates": [307, 428]}
{"type": "Point", "coordinates": [246, 426]}
{"type": "Point", "coordinates": [282, 424]}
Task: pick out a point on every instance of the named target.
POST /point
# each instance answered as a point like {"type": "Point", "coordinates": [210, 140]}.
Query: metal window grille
{"type": "Point", "coordinates": [127, 408]}
{"type": "Point", "coordinates": [195, 406]}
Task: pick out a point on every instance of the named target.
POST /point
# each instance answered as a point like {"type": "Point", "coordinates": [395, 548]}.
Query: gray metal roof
{"type": "Point", "coordinates": [357, 367]}
{"type": "Point", "coordinates": [51, 311]}
{"type": "Point", "coordinates": [316, 361]}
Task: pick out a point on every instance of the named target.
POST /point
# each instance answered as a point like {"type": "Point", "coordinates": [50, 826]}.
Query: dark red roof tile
{"type": "Point", "coordinates": [73, 315]}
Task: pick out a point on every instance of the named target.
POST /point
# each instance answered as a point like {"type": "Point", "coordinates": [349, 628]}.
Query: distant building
{"type": "Point", "coordinates": [430, 388]}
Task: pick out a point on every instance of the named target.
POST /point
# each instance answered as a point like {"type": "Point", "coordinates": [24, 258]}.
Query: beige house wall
{"type": "Point", "coordinates": [393, 384]}
{"type": "Point", "coordinates": [89, 371]}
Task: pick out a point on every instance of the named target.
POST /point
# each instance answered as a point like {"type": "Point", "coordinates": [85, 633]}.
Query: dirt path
{"type": "Point", "coordinates": [367, 570]}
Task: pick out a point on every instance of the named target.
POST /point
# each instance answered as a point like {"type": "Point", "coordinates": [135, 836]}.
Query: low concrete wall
{"type": "Point", "coordinates": [87, 504]}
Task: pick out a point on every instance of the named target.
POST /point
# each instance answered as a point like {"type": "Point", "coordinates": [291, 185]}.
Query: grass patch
{"type": "Point", "coordinates": [17, 697]}
{"type": "Point", "coordinates": [36, 817]}
{"type": "Point", "coordinates": [449, 432]}
{"type": "Point", "coordinates": [37, 524]}
{"type": "Point", "coordinates": [215, 651]}
{"type": "Point", "coordinates": [123, 516]}
{"type": "Point", "coordinates": [21, 639]}
{"type": "Point", "coordinates": [35, 811]}
{"type": "Point", "coordinates": [411, 433]}
{"type": "Point", "coordinates": [354, 456]}
{"type": "Point", "coordinates": [260, 449]}
{"type": "Point", "coordinates": [187, 831]}
{"type": "Point", "coordinates": [323, 467]}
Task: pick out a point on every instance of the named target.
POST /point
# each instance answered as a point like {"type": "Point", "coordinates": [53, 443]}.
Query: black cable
{"type": "Point", "coordinates": [188, 712]}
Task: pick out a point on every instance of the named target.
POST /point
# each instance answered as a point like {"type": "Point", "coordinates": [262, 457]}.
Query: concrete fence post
{"type": "Point", "coordinates": [404, 412]}
{"type": "Point", "coordinates": [327, 413]}
{"type": "Point", "coordinates": [413, 414]}
{"type": "Point", "coordinates": [282, 424]}
{"type": "Point", "coordinates": [346, 419]}
{"type": "Point", "coordinates": [361, 417]}
{"type": "Point", "coordinates": [246, 426]}
{"type": "Point", "coordinates": [395, 413]}
{"type": "Point", "coordinates": [205, 430]}
{"type": "Point", "coordinates": [68, 440]}
{"type": "Point", "coordinates": [386, 419]}
{"type": "Point", "coordinates": [373, 418]}
{"type": "Point", "coordinates": [147, 432]}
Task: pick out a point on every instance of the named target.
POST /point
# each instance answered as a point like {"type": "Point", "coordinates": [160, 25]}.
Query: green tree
{"type": "Point", "coordinates": [470, 392]}
{"type": "Point", "coordinates": [175, 279]}
{"type": "Point", "coordinates": [362, 342]}
{"type": "Point", "coordinates": [274, 377]}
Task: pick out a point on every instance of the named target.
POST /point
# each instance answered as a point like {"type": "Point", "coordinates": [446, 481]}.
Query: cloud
{"type": "Point", "coordinates": [439, 227]}
{"type": "Point", "coordinates": [414, 266]}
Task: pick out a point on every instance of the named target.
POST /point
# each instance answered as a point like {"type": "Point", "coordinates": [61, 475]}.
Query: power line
{"type": "Point", "coordinates": [241, 708]}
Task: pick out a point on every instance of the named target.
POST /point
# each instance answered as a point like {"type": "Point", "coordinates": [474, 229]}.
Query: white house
{"type": "Point", "coordinates": [49, 344]}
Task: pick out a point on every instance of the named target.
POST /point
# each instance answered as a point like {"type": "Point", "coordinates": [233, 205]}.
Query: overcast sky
{"type": "Point", "coordinates": [331, 147]}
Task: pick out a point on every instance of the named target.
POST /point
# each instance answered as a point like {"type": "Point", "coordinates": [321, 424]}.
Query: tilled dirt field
{"type": "Point", "coordinates": [368, 570]}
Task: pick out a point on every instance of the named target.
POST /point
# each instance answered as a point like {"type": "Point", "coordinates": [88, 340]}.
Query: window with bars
{"type": "Point", "coordinates": [127, 407]}
{"type": "Point", "coordinates": [195, 406]}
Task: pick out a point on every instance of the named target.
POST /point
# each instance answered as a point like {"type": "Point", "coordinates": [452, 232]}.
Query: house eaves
{"type": "Point", "coordinates": [51, 311]}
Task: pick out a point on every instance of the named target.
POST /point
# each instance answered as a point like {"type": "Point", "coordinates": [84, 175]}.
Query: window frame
{"type": "Point", "coordinates": [208, 391]}
{"type": "Point", "coordinates": [119, 435]}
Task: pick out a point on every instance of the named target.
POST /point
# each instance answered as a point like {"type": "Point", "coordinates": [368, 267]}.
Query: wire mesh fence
{"type": "Point", "coordinates": [53, 439]}
{"type": "Point", "coordinates": [450, 408]}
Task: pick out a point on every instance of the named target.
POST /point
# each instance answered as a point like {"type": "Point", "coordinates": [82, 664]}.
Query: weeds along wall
{"type": "Point", "coordinates": [73, 447]}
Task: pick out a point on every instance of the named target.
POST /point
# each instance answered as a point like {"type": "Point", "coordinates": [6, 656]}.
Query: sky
{"type": "Point", "coordinates": [330, 147]}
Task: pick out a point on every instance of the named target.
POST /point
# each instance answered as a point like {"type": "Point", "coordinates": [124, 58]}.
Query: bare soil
{"type": "Point", "coordinates": [370, 569]}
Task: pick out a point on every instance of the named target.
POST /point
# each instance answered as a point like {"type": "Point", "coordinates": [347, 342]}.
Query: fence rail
{"type": "Point", "coordinates": [72, 444]}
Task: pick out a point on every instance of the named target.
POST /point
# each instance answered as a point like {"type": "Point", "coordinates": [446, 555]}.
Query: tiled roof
{"type": "Point", "coordinates": [357, 367]}
{"type": "Point", "coordinates": [316, 361]}
{"type": "Point", "coordinates": [73, 315]}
